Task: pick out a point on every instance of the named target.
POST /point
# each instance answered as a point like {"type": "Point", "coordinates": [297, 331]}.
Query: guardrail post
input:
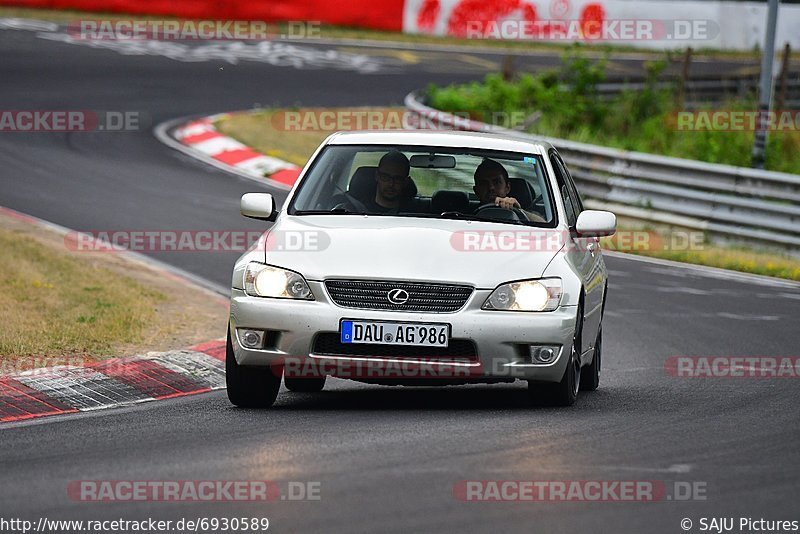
{"type": "Point", "coordinates": [508, 68]}
{"type": "Point", "coordinates": [765, 86]}
{"type": "Point", "coordinates": [687, 61]}
{"type": "Point", "coordinates": [781, 101]}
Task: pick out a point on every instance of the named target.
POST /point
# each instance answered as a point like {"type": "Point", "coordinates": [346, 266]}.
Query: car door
{"type": "Point", "coordinates": [583, 254]}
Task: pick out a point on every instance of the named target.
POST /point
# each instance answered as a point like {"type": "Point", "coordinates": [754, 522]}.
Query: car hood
{"type": "Point", "coordinates": [404, 248]}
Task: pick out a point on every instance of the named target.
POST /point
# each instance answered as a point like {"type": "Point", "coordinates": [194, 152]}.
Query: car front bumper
{"type": "Point", "coordinates": [502, 339]}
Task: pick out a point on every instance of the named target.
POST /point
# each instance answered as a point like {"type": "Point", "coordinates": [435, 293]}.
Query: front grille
{"type": "Point", "coordinates": [329, 344]}
{"type": "Point", "coordinates": [373, 295]}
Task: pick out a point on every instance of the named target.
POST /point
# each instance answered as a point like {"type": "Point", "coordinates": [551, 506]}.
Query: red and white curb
{"type": "Point", "coordinates": [113, 382]}
{"type": "Point", "coordinates": [205, 142]}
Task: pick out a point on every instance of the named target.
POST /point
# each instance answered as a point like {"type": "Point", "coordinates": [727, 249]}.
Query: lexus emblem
{"type": "Point", "coordinates": [397, 296]}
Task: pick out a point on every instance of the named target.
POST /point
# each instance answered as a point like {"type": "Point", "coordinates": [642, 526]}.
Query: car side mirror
{"type": "Point", "coordinates": [258, 206]}
{"type": "Point", "coordinates": [596, 223]}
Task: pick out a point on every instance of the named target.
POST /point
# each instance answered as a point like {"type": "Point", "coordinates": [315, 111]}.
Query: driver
{"type": "Point", "coordinates": [493, 187]}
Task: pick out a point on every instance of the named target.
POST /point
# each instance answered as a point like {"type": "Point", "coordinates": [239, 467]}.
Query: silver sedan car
{"type": "Point", "coordinates": [421, 258]}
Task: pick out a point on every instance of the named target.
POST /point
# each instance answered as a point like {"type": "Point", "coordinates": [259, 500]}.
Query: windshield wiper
{"type": "Point", "coordinates": [455, 215]}
{"type": "Point", "coordinates": [469, 217]}
{"type": "Point", "coordinates": [334, 211]}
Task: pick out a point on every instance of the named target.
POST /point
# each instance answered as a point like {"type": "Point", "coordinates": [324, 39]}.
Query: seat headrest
{"type": "Point", "coordinates": [450, 201]}
{"type": "Point", "coordinates": [362, 185]}
{"type": "Point", "coordinates": [522, 190]}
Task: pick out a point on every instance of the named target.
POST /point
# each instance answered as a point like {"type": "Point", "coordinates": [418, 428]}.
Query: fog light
{"type": "Point", "coordinates": [544, 354]}
{"type": "Point", "coordinates": [252, 339]}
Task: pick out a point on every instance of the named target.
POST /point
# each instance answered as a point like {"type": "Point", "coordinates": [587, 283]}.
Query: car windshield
{"type": "Point", "coordinates": [441, 182]}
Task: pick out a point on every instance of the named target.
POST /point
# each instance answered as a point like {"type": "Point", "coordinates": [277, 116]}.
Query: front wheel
{"type": "Point", "coordinates": [250, 386]}
{"type": "Point", "coordinates": [590, 378]}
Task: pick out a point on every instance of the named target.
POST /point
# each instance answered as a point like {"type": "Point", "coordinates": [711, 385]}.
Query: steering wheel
{"type": "Point", "coordinates": [516, 213]}
{"type": "Point", "coordinates": [349, 201]}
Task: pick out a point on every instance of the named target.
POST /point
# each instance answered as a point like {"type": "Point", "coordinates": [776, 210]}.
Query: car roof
{"type": "Point", "coordinates": [443, 138]}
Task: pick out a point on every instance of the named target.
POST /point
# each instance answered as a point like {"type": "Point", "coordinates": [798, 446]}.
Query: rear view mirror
{"type": "Point", "coordinates": [432, 161]}
{"type": "Point", "coordinates": [596, 223]}
{"type": "Point", "coordinates": [258, 206]}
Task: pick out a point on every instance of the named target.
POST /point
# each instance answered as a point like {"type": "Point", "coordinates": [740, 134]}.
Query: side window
{"type": "Point", "coordinates": [576, 198]}
{"type": "Point", "coordinates": [563, 187]}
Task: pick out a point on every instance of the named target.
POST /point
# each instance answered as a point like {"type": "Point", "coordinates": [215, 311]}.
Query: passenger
{"type": "Point", "coordinates": [492, 186]}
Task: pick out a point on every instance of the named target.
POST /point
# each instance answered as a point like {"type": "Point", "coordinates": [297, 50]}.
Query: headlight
{"type": "Point", "coordinates": [266, 281]}
{"type": "Point", "coordinates": [527, 295]}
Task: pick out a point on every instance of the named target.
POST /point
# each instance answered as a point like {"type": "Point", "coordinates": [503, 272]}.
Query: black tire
{"type": "Point", "coordinates": [304, 384]}
{"type": "Point", "coordinates": [565, 392]}
{"type": "Point", "coordinates": [590, 376]}
{"type": "Point", "coordinates": [250, 386]}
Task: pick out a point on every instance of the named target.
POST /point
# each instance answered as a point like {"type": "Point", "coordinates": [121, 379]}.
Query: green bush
{"type": "Point", "coordinates": [639, 120]}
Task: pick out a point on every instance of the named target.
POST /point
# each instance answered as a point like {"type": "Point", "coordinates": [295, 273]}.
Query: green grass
{"type": "Point", "coordinates": [743, 260]}
{"type": "Point", "coordinates": [740, 259]}
{"type": "Point", "coordinates": [54, 304]}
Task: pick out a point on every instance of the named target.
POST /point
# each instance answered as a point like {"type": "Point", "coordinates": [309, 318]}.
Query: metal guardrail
{"type": "Point", "coordinates": [701, 92]}
{"type": "Point", "coordinates": [737, 203]}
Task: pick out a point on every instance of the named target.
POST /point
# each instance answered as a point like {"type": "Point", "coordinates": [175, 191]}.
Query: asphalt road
{"type": "Point", "coordinates": [385, 458]}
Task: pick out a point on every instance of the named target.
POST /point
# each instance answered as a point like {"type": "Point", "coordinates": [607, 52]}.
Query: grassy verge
{"type": "Point", "coordinates": [260, 130]}
{"type": "Point", "coordinates": [51, 302]}
{"type": "Point", "coordinates": [737, 259]}
{"type": "Point", "coordinates": [388, 37]}
{"type": "Point", "coordinates": [675, 244]}
{"type": "Point", "coordinates": [338, 32]}
{"type": "Point", "coordinates": [64, 16]}
{"type": "Point", "coordinates": [91, 305]}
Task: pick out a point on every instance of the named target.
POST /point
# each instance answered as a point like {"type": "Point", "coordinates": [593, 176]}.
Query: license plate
{"type": "Point", "coordinates": [386, 333]}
